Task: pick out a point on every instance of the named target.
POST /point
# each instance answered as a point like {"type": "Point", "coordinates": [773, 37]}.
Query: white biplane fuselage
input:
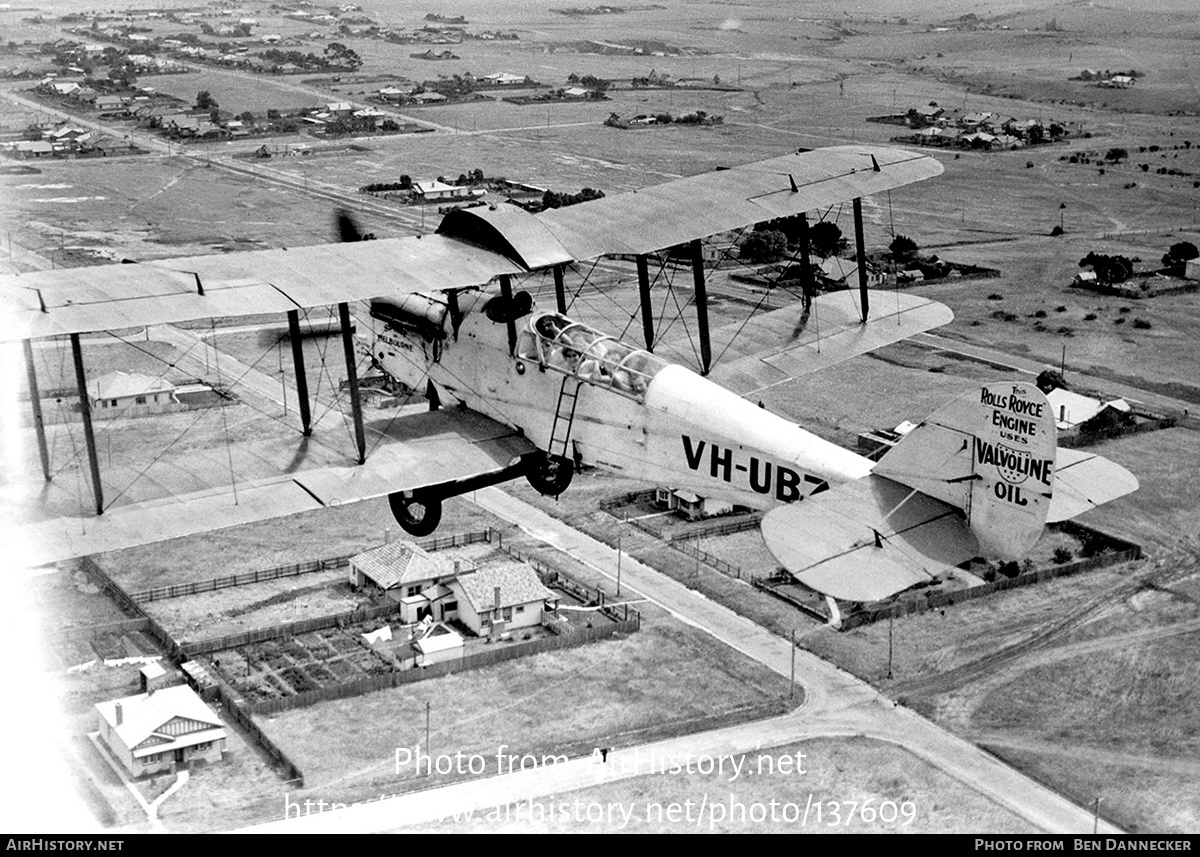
{"type": "Point", "coordinates": [593, 400]}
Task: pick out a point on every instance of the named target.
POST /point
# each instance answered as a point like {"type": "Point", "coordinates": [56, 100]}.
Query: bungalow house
{"type": "Point", "coordinates": [118, 390]}
{"type": "Point", "coordinates": [1072, 409]}
{"type": "Point", "coordinates": [840, 270]}
{"type": "Point", "coordinates": [393, 93]}
{"type": "Point", "coordinates": [435, 190]}
{"type": "Point", "coordinates": [929, 112]}
{"type": "Point", "coordinates": [109, 102]}
{"type": "Point", "coordinates": [501, 598]}
{"type": "Point", "coordinates": [410, 575]}
{"type": "Point", "coordinates": [428, 97]}
{"type": "Point", "coordinates": [155, 731]}
{"type": "Point", "coordinates": [503, 78]}
{"type": "Point", "coordinates": [34, 148]}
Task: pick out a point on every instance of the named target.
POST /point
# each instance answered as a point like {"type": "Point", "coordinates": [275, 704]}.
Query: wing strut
{"type": "Point", "coordinates": [352, 381]}
{"type": "Point", "coordinates": [643, 272]}
{"type": "Point", "coordinates": [861, 255]}
{"type": "Point", "coordinates": [807, 287]}
{"type": "Point", "coordinates": [293, 318]}
{"type": "Point", "coordinates": [85, 408]}
{"type": "Point", "coordinates": [560, 289]}
{"type": "Point", "coordinates": [35, 399]}
{"type": "Point", "coordinates": [701, 306]}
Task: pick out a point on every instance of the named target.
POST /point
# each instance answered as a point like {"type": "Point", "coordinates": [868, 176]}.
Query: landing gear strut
{"type": "Point", "coordinates": [418, 515]}
{"type": "Point", "coordinates": [549, 474]}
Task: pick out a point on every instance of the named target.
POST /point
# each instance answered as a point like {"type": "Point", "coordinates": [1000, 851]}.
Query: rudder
{"type": "Point", "coordinates": [990, 454]}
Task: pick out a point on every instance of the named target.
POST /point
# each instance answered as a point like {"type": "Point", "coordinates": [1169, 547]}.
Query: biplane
{"type": "Point", "coordinates": [521, 391]}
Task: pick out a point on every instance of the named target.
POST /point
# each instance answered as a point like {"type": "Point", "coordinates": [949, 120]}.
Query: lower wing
{"type": "Point", "coordinates": [435, 448]}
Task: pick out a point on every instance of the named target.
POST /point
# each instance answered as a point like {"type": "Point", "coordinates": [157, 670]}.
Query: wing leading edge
{"type": "Point", "coordinates": [679, 211]}
{"type": "Point", "coordinates": [110, 297]}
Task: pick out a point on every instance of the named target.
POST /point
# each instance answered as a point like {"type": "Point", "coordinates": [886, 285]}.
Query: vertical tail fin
{"type": "Point", "coordinates": [991, 454]}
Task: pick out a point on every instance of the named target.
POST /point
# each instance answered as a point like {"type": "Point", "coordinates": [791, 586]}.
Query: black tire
{"type": "Point", "coordinates": [550, 475]}
{"type": "Point", "coordinates": [418, 516]}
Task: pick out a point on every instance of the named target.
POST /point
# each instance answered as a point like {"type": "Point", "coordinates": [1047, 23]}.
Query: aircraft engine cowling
{"type": "Point", "coordinates": [411, 338]}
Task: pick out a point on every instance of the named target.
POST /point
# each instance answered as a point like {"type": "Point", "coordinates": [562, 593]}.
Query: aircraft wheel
{"type": "Point", "coordinates": [418, 516]}
{"type": "Point", "coordinates": [550, 475]}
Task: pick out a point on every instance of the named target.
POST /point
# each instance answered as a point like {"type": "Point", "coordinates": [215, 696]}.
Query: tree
{"type": "Point", "coordinates": [1116, 154]}
{"type": "Point", "coordinates": [205, 101]}
{"type": "Point", "coordinates": [825, 239]}
{"type": "Point", "coordinates": [763, 246]}
{"type": "Point", "coordinates": [903, 248]}
{"type": "Point", "coordinates": [1108, 269]}
{"type": "Point", "coordinates": [1048, 379]}
{"type": "Point", "coordinates": [1175, 260]}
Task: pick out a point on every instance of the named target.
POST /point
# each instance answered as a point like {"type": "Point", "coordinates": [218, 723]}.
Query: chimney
{"type": "Point", "coordinates": [497, 591]}
{"type": "Point", "coordinates": [1062, 413]}
{"type": "Point", "coordinates": [120, 714]}
{"type": "Point", "coordinates": [457, 567]}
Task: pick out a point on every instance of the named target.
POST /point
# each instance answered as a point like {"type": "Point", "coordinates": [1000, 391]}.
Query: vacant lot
{"type": "Point", "coordinates": [667, 679]}
{"type": "Point", "coordinates": [914, 796]}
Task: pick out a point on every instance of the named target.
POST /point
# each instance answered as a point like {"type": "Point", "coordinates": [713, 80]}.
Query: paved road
{"type": "Point", "coordinates": [836, 704]}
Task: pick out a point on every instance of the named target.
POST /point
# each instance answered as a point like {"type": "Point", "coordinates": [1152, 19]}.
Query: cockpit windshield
{"type": "Point", "coordinates": [572, 348]}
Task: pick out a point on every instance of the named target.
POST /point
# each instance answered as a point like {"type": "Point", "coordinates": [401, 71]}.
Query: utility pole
{"type": "Point", "coordinates": [618, 566]}
{"type": "Point", "coordinates": [792, 686]}
{"type": "Point", "coordinates": [427, 753]}
{"type": "Point", "coordinates": [891, 619]}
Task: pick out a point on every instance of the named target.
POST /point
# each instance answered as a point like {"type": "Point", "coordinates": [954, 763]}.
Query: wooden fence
{"type": "Point", "coordinates": [501, 652]}
{"type": "Point", "coordinates": [705, 557]}
{"type": "Point", "coordinates": [308, 567]}
{"type": "Point", "coordinates": [91, 632]}
{"type": "Point", "coordinates": [242, 715]}
{"type": "Point", "coordinates": [291, 629]}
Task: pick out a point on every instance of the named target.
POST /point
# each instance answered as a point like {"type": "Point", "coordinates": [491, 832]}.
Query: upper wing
{"type": "Point", "coordinates": [782, 344]}
{"type": "Point", "coordinates": [110, 297]}
{"type": "Point", "coordinates": [699, 206]}
{"type": "Point", "coordinates": [470, 249]}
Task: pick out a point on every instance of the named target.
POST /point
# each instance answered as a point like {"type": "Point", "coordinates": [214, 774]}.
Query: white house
{"type": "Point", "coordinates": [1072, 409]}
{"type": "Point", "coordinates": [434, 190]}
{"type": "Point", "coordinates": [501, 598]}
{"type": "Point", "coordinates": [153, 732]}
{"type": "Point", "coordinates": [116, 391]}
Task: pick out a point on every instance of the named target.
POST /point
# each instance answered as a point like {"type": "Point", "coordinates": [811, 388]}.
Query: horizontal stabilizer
{"type": "Point", "coordinates": [991, 454]}
{"type": "Point", "coordinates": [1083, 481]}
{"type": "Point", "coordinates": [868, 540]}
{"type": "Point", "coordinates": [785, 343]}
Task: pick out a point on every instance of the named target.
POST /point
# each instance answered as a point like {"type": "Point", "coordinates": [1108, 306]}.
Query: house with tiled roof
{"type": "Point", "coordinates": [501, 598]}
{"type": "Point", "coordinates": [408, 574]}
{"type": "Point", "coordinates": [158, 731]}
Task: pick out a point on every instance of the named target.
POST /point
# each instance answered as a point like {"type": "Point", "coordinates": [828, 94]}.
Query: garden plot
{"type": "Point", "coordinates": [277, 668]}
